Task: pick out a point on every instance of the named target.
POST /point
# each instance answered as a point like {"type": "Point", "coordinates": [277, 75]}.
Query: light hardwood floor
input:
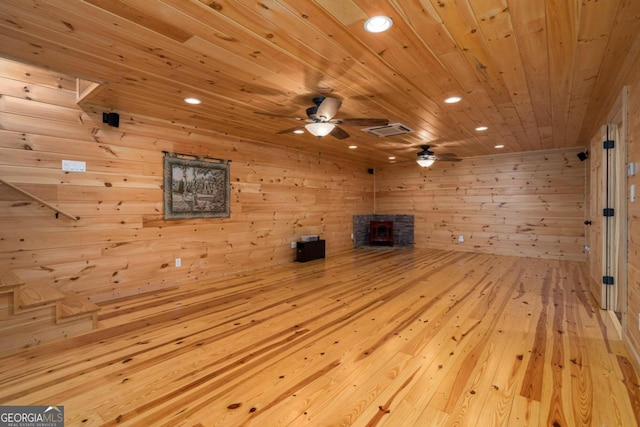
{"type": "Point", "coordinates": [367, 338]}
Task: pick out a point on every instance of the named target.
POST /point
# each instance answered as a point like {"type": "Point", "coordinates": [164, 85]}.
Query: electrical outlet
{"type": "Point", "coordinates": [461, 239]}
{"type": "Point", "coordinates": [178, 262]}
{"type": "Point", "coordinates": [293, 245]}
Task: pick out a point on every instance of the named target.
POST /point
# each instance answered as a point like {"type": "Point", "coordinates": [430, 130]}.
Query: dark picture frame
{"type": "Point", "coordinates": [195, 187]}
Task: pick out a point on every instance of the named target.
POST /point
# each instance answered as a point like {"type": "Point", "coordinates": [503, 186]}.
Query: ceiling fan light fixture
{"type": "Point", "coordinates": [426, 161]}
{"type": "Point", "coordinates": [378, 24]}
{"type": "Point", "coordinates": [319, 129]}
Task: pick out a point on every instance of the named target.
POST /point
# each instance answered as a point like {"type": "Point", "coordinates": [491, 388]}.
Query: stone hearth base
{"type": "Point", "coordinates": [402, 230]}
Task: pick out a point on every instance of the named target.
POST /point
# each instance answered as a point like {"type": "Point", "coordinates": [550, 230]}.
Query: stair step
{"type": "Point", "coordinates": [74, 307]}
{"type": "Point", "coordinates": [31, 296]}
{"type": "Point", "coordinates": [32, 314]}
{"type": "Point", "coordinates": [38, 326]}
{"type": "Point", "coordinates": [9, 281]}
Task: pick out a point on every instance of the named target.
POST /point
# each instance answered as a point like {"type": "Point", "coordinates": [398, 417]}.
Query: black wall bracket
{"type": "Point", "coordinates": [112, 119]}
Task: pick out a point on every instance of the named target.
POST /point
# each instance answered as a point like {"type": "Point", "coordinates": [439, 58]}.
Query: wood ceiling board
{"type": "Point", "coordinates": [463, 27]}
{"type": "Point", "coordinates": [524, 69]}
{"type": "Point", "coordinates": [623, 43]}
{"type": "Point", "coordinates": [495, 24]}
{"type": "Point", "coordinates": [562, 24]}
{"type": "Point", "coordinates": [143, 19]}
{"type": "Point", "coordinates": [457, 65]}
{"type": "Point", "coordinates": [528, 21]}
{"type": "Point", "coordinates": [596, 23]}
{"type": "Point", "coordinates": [371, 55]}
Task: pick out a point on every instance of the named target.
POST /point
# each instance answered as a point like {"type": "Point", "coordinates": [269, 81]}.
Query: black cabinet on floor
{"type": "Point", "coordinates": [307, 251]}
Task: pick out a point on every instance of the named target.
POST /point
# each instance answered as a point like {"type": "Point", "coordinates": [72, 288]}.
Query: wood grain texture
{"type": "Point", "coordinates": [368, 337]}
{"type": "Point", "coordinates": [536, 73]}
{"type": "Point", "coordinates": [529, 204]}
{"type": "Point", "coordinates": [121, 245]}
{"type": "Point", "coordinates": [287, 188]}
{"type": "Point", "coordinates": [633, 216]}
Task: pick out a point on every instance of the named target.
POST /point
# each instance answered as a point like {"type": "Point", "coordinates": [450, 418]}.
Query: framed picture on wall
{"type": "Point", "coordinates": [195, 187]}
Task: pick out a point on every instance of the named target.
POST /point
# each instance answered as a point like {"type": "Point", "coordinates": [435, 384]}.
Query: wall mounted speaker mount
{"type": "Point", "coordinates": [112, 119]}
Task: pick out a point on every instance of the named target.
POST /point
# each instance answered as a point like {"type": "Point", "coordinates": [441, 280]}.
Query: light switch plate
{"type": "Point", "coordinates": [73, 166]}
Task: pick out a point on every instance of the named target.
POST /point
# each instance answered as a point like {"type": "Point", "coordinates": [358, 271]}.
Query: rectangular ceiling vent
{"type": "Point", "coordinates": [391, 129]}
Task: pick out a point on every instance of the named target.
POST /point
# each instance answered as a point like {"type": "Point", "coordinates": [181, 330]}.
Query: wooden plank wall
{"type": "Point", "coordinates": [628, 76]}
{"type": "Point", "coordinates": [633, 214]}
{"type": "Point", "coordinates": [527, 204]}
{"type": "Point", "coordinates": [121, 245]}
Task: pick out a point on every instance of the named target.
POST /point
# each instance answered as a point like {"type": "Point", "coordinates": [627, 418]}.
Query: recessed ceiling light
{"type": "Point", "coordinates": [353, 147]}
{"type": "Point", "coordinates": [499, 146]}
{"type": "Point", "coordinates": [392, 158]}
{"type": "Point", "coordinates": [378, 24]}
{"type": "Point", "coordinates": [453, 99]}
{"type": "Point", "coordinates": [192, 101]}
{"type": "Point", "coordinates": [481, 128]}
{"type": "Point", "coordinates": [298, 131]}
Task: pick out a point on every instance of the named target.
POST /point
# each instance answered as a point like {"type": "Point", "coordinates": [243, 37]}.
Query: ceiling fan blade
{"type": "Point", "coordinates": [361, 121]}
{"type": "Point", "coordinates": [448, 157]}
{"type": "Point", "coordinates": [328, 108]}
{"type": "Point", "coordinates": [289, 130]}
{"type": "Point", "coordinates": [339, 133]}
{"type": "Point", "coordinates": [278, 115]}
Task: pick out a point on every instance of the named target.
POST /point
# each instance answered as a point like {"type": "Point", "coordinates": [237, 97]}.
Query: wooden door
{"type": "Point", "coordinates": [618, 201]}
{"type": "Point", "coordinates": [607, 234]}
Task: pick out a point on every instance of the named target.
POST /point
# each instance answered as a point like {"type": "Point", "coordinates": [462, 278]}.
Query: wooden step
{"type": "Point", "coordinates": [9, 281]}
{"type": "Point", "coordinates": [33, 296]}
{"type": "Point", "coordinates": [45, 315]}
{"type": "Point", "coordinates": [9, 288]}
{"type": "Point", "coordinates": [74, 307]}
{"type": "Point", "coordinates": [38, 326]}
{"type": "Point", "coordinates": [32, 314]}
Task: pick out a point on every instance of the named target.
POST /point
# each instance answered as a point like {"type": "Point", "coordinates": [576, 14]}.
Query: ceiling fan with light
{"type": "Point", "coordinates": [320, 119]}
{"type": "Point", "coordinates": [426, 157]}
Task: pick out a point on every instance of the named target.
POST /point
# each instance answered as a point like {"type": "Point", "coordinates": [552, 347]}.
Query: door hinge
{"type": "Point", "coordinates": [607, 280]}
{"type": "Point", "coordinates": [608, 211]}
{"type": "Point", "coordinates": [608, 144]}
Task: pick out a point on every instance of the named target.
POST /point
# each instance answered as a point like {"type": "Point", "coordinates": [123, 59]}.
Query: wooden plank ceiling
{"type": "Point", "coordinates": [534, 72]}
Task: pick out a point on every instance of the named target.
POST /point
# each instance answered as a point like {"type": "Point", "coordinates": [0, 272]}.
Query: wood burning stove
{"type": "Point", "coordinates": [381, 233]}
